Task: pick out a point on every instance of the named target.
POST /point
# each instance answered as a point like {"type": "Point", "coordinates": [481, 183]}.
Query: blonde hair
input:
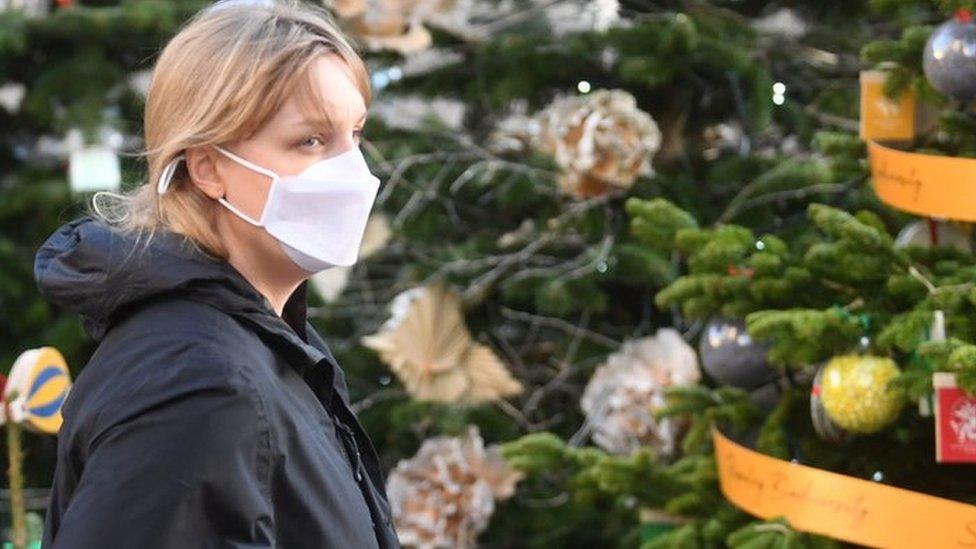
{"type": "Point", "coordinates": [221, 78]}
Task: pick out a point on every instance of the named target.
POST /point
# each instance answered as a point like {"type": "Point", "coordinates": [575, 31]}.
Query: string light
{"type": "Point", "coordinates": [779, 93]}
{"type": "Point", "coordinates": [583, 86]}
{"type": "Point", "coordinates": [383, 77]}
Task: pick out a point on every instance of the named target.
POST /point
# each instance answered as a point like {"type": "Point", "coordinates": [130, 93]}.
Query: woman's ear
{"type": "Point", "coordinates": [201, 165]}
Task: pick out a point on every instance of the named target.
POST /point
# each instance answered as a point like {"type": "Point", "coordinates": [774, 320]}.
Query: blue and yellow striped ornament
{"type": "Point", "coordinates": [41, 381]}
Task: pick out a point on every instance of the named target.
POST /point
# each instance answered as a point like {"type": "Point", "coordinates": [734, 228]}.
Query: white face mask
{"type": "Point", "coordinates": [318, 216]}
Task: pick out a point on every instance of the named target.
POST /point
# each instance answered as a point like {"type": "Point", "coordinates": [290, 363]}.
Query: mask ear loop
{"type": "Point", "coordinates": [259, 169]}
{"type": "Point", "coordinates": [167, 174]}
{"type": "Point", "coordinates": [249, 164]}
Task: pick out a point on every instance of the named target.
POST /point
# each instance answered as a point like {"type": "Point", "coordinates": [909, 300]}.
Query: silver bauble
{"type": "Point", "coordinates": [949, 60]}
{"type": "Point", "coordinates": [731, 357]}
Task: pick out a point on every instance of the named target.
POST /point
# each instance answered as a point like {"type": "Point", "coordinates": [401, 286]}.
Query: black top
{"type": "Point", "coordinates": [203, 419]}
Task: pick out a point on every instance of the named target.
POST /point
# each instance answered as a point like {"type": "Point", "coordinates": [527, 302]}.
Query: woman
{"type": "Point", "coordinates": [212, 414]}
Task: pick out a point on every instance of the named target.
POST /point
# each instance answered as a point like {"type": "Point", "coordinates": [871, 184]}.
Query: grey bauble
{"type": "Point", "coordinates": [949, 60]}
{"type": "Point", "coordinates": [768, 395]}
{"type": "Point", "coordinates": [731, 357]}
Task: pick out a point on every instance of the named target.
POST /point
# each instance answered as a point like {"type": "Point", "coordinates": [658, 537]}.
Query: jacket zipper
{"type": "Point", "coordinates": [350, 448]}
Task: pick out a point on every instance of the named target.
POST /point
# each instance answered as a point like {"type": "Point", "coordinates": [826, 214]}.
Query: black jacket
{"type": "Point", "coordinates": [203, 419]}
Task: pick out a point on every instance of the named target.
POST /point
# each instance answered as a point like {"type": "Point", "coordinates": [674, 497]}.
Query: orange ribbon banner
{"type": "Point", "coordinates": [839, 506]}
{"type": "Point", "coordinates": [923, 184]}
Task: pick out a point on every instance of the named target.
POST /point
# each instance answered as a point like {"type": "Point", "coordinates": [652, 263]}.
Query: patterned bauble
{"type": "Point", "coordinates": [731, 357]}
{"type": "Point", "coordinates": [950, 57]}
{"type": "Point", "coordinates": [856, 394]}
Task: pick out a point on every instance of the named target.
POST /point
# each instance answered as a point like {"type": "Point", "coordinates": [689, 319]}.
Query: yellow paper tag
{"type": "Point", "coordinates": [882, 118]}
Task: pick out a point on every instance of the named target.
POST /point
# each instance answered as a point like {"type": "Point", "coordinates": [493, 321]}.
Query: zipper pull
{"type": "Point", "coordinates": [357, 461]}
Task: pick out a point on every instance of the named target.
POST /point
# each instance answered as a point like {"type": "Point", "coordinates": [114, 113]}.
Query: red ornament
{"type": "Point", "coordinates": [955, 421]}
{"type": "Point", "coordinates": [735, 270]}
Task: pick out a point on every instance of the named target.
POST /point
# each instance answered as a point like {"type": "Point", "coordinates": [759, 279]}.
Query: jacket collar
{"type": "Point", "coordinates": [291, 333]}
{"type": "Point", "coordinates": [294, 328]}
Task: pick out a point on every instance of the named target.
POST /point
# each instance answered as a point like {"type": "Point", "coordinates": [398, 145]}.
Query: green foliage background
{"type": "Point", "coordinates": [789, 203]}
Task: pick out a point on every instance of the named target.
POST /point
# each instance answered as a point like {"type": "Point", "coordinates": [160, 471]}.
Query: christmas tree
{"type": "Point", "coordinates": [606, 228]}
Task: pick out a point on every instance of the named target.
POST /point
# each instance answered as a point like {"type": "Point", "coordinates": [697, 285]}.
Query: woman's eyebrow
{"type": "Point", "coordinates": [327, 123]}
{"type": "Point", "coordinates": [313, 123]}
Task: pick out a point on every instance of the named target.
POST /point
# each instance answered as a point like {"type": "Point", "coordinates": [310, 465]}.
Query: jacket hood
{"type": "Point", "coordinates": [93, 269]}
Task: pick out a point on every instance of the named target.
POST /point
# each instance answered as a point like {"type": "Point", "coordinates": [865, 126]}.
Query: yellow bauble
{"type": "Point", "coordinates": [855, 393]}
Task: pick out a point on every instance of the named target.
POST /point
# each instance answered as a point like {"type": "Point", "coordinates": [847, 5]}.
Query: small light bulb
{"type": "Point", "coordinates": [779, 88]}
{"type": "Point", "coordinates": [779, 99]}
{"type": "Point", "coordinates": [583, 86]}
{"type": "Point", "coordinates": [380, 80]}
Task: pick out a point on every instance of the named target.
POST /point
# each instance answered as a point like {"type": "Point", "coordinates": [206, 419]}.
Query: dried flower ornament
{"type": "Point", "coordinates": [624, 393]}
{"type": "Point", "coordinates": [444, 496]}
{"type": "Point", "coordinates": [427, 345]}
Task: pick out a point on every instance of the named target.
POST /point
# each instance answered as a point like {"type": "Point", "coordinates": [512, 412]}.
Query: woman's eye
{"type": "Point", "coordinates": [308, 141]}
{"type": "Point", "coordinates": [311, 138]}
